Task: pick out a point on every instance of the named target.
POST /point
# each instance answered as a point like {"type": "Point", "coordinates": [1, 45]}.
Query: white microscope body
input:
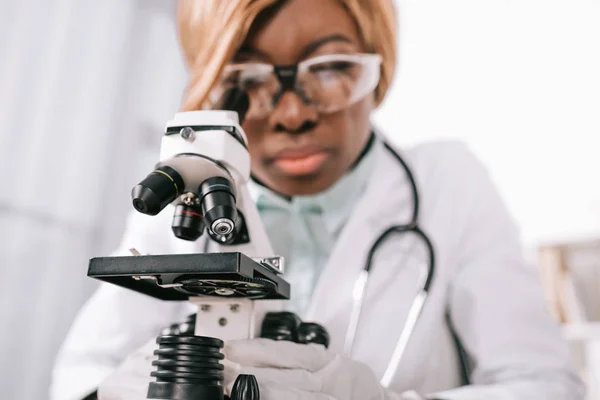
{"type": "Point", "coordinates": [208, 150]}
{"type": "Point", "coordinates": [203, 171]}
{"type": "Point", "coordinates": [211, 151]}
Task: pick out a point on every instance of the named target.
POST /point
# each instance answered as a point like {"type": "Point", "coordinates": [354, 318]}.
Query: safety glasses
{"type": "Point", "coordinates": [329, 82]}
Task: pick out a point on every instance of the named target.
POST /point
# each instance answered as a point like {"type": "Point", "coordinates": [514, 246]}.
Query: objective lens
{"type": "Point", "coordinates": [237, 100]}
{"type": "Point", "coordinates": [218, 205]}
{"type": "Point", "coordinates": [188, 222]}
{"type": "Point", "coordinates": [157, 190]}
{"type": "Point", "coordinates": [222, 226]}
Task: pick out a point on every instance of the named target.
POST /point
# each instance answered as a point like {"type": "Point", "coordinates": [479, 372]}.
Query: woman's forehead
{"type": "Point", "coordinates": [298, 29]}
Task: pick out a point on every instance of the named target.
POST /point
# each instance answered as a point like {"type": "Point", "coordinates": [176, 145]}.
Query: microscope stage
{"type": "Point", "coordinates": [180, 276]}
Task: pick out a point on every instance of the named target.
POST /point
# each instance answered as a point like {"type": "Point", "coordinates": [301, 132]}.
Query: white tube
{"type": "Point", "coordinates": [411, 321]}
{"type": "Point", "coordinates": [358, 295]}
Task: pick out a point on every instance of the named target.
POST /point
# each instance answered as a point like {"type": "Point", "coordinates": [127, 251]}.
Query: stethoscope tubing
{"type": "Point", "coordinates": [416, 308]}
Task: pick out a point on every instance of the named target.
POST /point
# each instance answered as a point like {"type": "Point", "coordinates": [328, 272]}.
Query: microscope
{"type": "Point", "coordinates": [202, 176]}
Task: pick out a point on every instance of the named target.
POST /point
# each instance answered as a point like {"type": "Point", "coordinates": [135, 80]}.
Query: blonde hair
{"type": "Point", "coordinates": [212, 31]}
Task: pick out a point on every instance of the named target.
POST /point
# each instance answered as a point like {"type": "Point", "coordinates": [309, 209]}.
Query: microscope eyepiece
{"type": "Point", "coordinates": [236, 100]}
{"type": "Point", "coordinates": [157, 190]}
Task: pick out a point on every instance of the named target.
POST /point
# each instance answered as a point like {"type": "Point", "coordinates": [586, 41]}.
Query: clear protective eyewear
{"type": "Point", "coordinates": [329, 82]}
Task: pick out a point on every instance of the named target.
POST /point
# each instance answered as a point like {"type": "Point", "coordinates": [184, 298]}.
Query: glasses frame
{"type": "Point", "coordinates": [287, 75]}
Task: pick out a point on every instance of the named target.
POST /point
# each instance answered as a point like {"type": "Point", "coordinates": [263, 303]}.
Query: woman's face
{"type": "Point", "coordinates": [296, 150]}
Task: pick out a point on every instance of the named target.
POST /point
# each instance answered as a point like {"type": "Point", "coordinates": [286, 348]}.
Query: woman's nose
{"type": "Point", "coordinates": [291, 114]}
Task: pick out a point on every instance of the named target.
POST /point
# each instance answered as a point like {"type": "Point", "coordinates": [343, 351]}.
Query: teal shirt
{"type": "Point", "coordinates": [304, 229]}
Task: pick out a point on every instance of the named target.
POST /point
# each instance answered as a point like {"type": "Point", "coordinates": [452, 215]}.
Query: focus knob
{"type": "Point", "coordinates": [245, 388]}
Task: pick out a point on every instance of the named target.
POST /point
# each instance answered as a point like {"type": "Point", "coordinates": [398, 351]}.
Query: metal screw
{"type": "Point", "coordinates": [188, 133]}
{"type": "Point", "coordinates": [223, 321]}
{"type": "Point", "coordinates": [234, 307]}
{"type": "Point", "coordinates": [189, 199]}
{"type": "Point", "coordinates": [205, 307]}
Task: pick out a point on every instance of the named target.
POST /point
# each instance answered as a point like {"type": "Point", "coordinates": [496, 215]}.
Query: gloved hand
{"type": "Point", "coordinates": [131, 378]}
{"type": "Point", "coordinates": [286, 370]}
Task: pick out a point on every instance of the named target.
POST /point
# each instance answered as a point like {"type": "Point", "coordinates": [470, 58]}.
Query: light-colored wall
{"type": "Point", "coordinates": [85, 89]}
{"type": "Point", "coordinates": [519, 81]}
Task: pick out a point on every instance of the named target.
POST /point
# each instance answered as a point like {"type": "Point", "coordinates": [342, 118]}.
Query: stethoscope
{"type": "Point", "coordinates": [361, 284]}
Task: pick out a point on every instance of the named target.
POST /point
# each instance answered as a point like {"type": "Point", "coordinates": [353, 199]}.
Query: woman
{"type": "Point", "coordinates": [326, 187]}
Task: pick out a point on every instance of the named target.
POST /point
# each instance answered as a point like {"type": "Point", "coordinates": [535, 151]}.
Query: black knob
{"type": "Point", "coordinates": [280, 326]}
{"type": "Point", "coordinates": [288, 326]}
{"type": "Point", "coordinates": [309, 332]}
{"type": "Point", "coordinates": [187, 367]}
{"type": "Point", "coordinates": [245, 388]}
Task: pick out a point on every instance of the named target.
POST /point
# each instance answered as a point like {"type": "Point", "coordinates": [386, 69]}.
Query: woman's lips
{"type": "Point", "coordinates": [300, 161]}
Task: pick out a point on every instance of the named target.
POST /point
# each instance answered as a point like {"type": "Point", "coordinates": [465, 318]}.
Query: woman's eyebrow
{"type": "Point", "coordinates": [312, 47]}
{"type": "Point", "coordinates": [248, 51]}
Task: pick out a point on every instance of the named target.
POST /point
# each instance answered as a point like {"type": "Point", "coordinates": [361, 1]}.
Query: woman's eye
{"type": "Point", "coordinates": [250, 82]}
{"type": "Point", "coordinates": [333, 66]}
{"type": "Point", "coordinates": [230, 80]}
{"type": "Point", "coordinates": [244, 81]}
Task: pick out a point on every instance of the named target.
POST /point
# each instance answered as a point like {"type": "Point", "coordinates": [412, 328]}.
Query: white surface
{"type": "Point", "coordinates": [585, 341]}
{"type": "Point", "coordinates": [582, 331]}
{"type": "Point", "coordinates": [519, 81]}
{"type": "Point", "coordinates": [85, 89]}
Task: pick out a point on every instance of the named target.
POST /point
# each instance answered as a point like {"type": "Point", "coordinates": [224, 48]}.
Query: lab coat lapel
{"type": "Point", "coordinates": [387, 201]}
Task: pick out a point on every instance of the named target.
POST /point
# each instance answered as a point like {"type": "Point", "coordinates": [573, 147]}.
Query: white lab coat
{"type": "Point", "coordinates": [482, 293]}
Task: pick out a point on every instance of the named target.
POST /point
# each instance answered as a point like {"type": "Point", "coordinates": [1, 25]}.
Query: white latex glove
{"type": "Point", "coordinates": [131, 378]}
{"type": "Point", "coordinates": [284, 370]}
{"type": "Point", "coordinates": [290, 371]}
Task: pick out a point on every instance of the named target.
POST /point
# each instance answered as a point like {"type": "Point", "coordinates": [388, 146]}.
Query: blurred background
{"type": "Point", "coordinates": [86, 88]}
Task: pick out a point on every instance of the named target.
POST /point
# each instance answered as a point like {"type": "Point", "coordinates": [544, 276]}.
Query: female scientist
{"type": "Point", "coordinates": [327, 186]}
